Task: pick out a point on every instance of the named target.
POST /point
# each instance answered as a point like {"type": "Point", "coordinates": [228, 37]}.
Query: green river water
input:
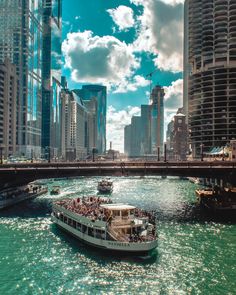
{"type": "Point", "coordinates": [196, 253]}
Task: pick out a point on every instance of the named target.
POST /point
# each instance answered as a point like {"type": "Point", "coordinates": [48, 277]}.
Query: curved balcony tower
{"type": "Point", "coordinates": [212, 72]}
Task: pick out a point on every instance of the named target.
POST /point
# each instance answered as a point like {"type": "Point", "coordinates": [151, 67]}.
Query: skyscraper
{"type": "Point", "coordinates": [76, 128]}
{"type": "Point", "coordinates": [157, 118]}
{"type": "Point", "coordinates": [99, 93]}
{"type": "Point", "coordinates": [51, 77]}
{"type": "Point", "coordinates": [127, 140]}
{"type": "Point", "coordinates": [9, 95]}
{"type": "Point", "coordinates": [21, 43]}
{"type": "Point", "coordinates": [185, 59]}
{"type": "Point", "coordinates": [212, 73]}
{"type": "Point", "coordinates": [146, 129]}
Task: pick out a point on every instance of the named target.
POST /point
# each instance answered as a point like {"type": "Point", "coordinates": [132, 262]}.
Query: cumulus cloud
{"type": "Point", "coordinates": [96, 59]}
{"type": "Point", "coordinates": [160, 32]}
{"type": "Point", "coordinates": [131, 84]}
{"type": "Point", "coordinates": [173, 100]}
{"type": "Point", "coordinates": [174, 95]}
{"type": "Point", "coordinates": [123, 17]}
{"type": "Point", "coordinates": [116, 122]}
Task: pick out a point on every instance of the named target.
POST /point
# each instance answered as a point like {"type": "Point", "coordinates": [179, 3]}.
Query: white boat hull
{"type": "Point", "coordinates": [141, 247]}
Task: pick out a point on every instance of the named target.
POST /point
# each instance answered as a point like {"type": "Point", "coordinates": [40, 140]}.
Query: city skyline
{"type": "Point", "coordinates": [97, 29]}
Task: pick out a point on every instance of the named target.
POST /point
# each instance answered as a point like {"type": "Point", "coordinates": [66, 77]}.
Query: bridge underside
{"type": "Point", "coordinates": [19, 176]}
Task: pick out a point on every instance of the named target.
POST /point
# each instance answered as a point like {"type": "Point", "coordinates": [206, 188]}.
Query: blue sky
{"type": "Point", "coordinates": [117, 43]}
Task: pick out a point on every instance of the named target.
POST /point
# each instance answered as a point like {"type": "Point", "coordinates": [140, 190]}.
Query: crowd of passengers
{"type": "Point", "coordinates": [90, 207]}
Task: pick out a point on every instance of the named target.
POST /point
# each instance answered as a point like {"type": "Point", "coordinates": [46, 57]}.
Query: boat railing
{"type": "Point", "coordinates": [117, 236]}
{"type": "Point", "coordinates": [117, 222]}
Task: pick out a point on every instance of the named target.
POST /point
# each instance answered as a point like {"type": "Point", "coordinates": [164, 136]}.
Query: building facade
{"type": "Point", "coordinates": [76, 127]}
{"type": "Point", "coordinates": [146, 129]}
{"type": "Point", "coordinates": [98, 93]}
{"type": "Point", "coordinates": [127, 140]}
{"type": "Point", "coordinates": [9, 96]}
{"type": "Point", "coordinates": [179, 137]}
{"type": "Point", "coordinates": [212, 73]}
{"type": "Point", "coordinates": [21, 43]}
{"type": "Point", "coordinates": [51, 78]}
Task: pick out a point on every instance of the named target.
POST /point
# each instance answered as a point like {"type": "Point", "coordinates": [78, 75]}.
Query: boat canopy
{"type": "Point", "coordinates": [117, 207]}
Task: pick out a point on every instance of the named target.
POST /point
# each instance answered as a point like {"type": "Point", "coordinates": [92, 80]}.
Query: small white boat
{"type": "Point", "coordinates": [105, 186]}
{"type": "Point", "coordinates": [13, 196]}
{"type": "Point", "coordinates": [102, 224]}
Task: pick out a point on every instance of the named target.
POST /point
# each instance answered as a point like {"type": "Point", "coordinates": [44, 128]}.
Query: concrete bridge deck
{"type": "Point", "coordinates": [16, 174]}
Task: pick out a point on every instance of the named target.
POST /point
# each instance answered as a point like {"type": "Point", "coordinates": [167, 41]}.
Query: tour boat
{"type": "Point", "coordinates": [100, 223]}
{"type": "Point", "coordinates": [55, 190]}
{"type": "Point", "coordinates": [217, 199]}
{"type": "Point", "coordinates": [12, 196]}
{"type": "Point", "coordinates": [105, 186]}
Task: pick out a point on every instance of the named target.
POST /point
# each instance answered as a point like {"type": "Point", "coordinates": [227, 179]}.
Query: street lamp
{"type": "Point", "coordinates": [165, 152]}
{"type": "Point", "coordinates": [32, 156]}
{"type": "Point", "coordinates": [94, 150]}
{"type": "Point", "coordinates": [1, 156]}
{"type": "Point", "coordinates": [201, 146]}
{"type": "Point", "coordinates": [158, 154]}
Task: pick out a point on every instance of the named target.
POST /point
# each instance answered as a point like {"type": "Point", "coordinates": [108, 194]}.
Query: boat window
{"type": "Point", "coordinates": [116, 213]}
{"type": "Point", "coordinates": [100, 234]}
{"type": "Point", "coordinates": [74, 223]}
{"type": "Point", "coordinates": [125, 213]}
{"type": "Point", "coordinates": [65, 219]}
{"type": "Point", "coordinates": [84, 228]}
{"type": "Point", "coordinates": [78, 226]}
{"type": "Point", "coordinates": [69, 221]}
{"type": "Point", "coordinates": [90, 231]}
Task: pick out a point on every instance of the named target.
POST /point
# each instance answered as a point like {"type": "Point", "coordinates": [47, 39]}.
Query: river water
{"type": "Point", "coordinates": [196, 252]}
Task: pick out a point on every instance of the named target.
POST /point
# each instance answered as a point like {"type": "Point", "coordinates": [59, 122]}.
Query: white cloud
{"type": "Point", "coordinates": [131, 84]}
{"type": "Point", "coordinates": [123, 17]}
{"type": "Point", "coordinates": [96, 59]}
{"type": "Point", "coordinates": [116, 122]}
{"type": "Point", "coordinates": [174, 96]}
{"type": "Point", "coordinates": [160, 32]}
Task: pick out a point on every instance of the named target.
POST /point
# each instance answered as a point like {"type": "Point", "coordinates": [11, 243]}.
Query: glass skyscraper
{"type": "Point", "coordinates": [98, 92]}
{"type": "Point", "coordinates": [21, 42]}
{"type": "Point", "coordinates": [51, 77]}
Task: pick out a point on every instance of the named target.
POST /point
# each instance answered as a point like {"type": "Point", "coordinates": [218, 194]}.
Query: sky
{"type": "Point", "coordinates": [117, 44]}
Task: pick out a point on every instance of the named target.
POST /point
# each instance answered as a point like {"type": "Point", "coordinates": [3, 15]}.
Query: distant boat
{"type": "Point", "coordinates": [217, 199]}
{"type": "Point", "coordinates": [55, 190]}
{"type": "Point", "coordinates": [102, 224]}
{"type": "Point", "coordinates": [105, 186]}
{"type": "Point", "coordinates": [13, 196]}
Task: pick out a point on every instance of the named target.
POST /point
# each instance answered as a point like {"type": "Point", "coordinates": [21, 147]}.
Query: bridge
{"type": "Point", "coordinates": [23, 173]}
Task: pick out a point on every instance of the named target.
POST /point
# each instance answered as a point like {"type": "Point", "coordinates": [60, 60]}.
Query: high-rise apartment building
{"type": "Point", "coordinates": [51, 77]}
{"type": "Point", "coordinates": [157, 118]}
{"type": "Point", "coordinates": [9, 95]}
{"type": "Point", "coordinates": [185, 60]}
{"type": "Point", "coordinates": [76, 127]}
{"type": "Point", "coordinates": [21, 43]}
{"type": "Point", "coordinates": [99, 93]}
{"type": "Point", "coordinates": [212, 73]}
